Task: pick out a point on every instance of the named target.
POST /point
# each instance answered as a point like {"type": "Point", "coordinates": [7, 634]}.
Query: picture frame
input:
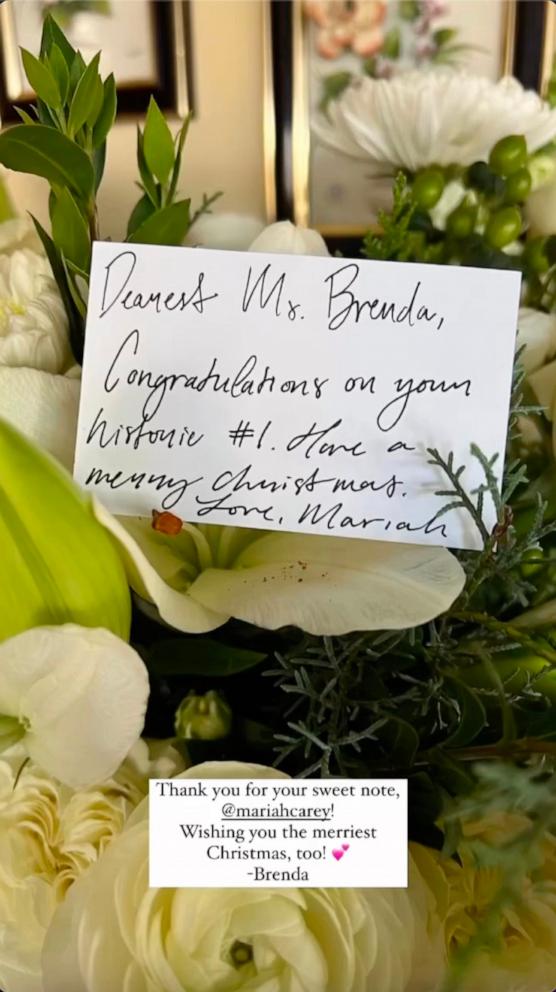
{"type": "Point", "coordinates": [156, 58]}
{"type": "Point", "coordinates": [548, 52]}
{"type": "Point", "coordinates": [288, 146]}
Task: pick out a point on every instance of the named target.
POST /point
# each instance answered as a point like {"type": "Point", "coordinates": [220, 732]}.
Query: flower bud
{"type": "Point", "coordinates": [58, 563]}
{"type": "Point", "coordinates": [204, 718]}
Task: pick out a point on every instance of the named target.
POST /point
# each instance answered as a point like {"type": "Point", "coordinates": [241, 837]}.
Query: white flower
{"type": "Point", "coordinates": [202, 576]}
{"type": "Point", "coordinates": [452, 195]}
{"type": "Point", "coordinates": [18, 234]}
{"type": "Point", "coordinates": [33, 324]}
{"type": "Point", "coordinates": [49, 836]}
{"type": "Point", "coordinates": [441, 117]}
{"type": "Point", "coordinates": [79, 696]}
{"type": "Point", "coordinates": [227, 230]}
{"type": "Point", "coordinates": [285, 237]}
{"type": "Point", "coordinates": [114, 933]}
{"type": "Point", "coordinates": [537, 335]}
{"type": "Point", "coordinates": [540, 211]}
{"type": "Point", "coordinates": [44, 407]}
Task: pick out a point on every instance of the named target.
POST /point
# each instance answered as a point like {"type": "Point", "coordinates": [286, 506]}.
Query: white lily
{"type": "Point", "coordinates": [74, 698]}
{"type": "Point", "coordinates": [202, 576]}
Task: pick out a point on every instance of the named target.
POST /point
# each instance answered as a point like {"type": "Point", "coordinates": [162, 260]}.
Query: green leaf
{"type": "Point", "coordinates": [77, 69]}
{"type": "Point", "coordinates": [53, 35]}
{"type": "Point", "coordinates": [401, 739]}
{"type": "Point", "coordinates": [141, 211]}
{"type": "Point", "coordinates": [99, 161]}
{"type": "Point", "coordinates": [85, 96]}
{"type": "Point", "coordinates": [199, 656]}
{"type": "Point", "coordinates": [69, 230]}
{"type": "Point", "coordinates": [144, 171]}
{"type": "Point", "coordinates": [182, 135]}
{"type": "Point", "coordinates": [76, 323]}
{"type": "Point", "coordinates": [25, 117]}
{"type": "Point", "coordinates": [164, 227]}
{"type": "Point", "coordinates": [158, 143]}
{"type": "Point", "coordinates": [60, 71]}
{"type": "Point", "coordinates": [472, 718]}
{"type": "Point", "coordinates": [42, 151]}
{"type": "Point", "coordinates": [107, 113]}
{"type": "Point", "coordinates": [41, 79]}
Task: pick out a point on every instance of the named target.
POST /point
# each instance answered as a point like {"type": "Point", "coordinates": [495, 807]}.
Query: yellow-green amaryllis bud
{"type": "Point", "coordinates": [517, 669]}
{"type": "Point", "coordinates": [205, 718]}
{"type": "Point", "coordinates": [57, 563]}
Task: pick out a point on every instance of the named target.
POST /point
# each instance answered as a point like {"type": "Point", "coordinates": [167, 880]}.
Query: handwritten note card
{"type": "Point", "coordinates": [291, 392]}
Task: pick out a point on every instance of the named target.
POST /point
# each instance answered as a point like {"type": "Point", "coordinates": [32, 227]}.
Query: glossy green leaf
{"type": "Point", "coordinates": [99, 161]}
{"type": "Point", "coordinates": [141, 211]}
{"type": "Point", "coordinates": [70, 231]}
{"type": "Point", "coordinates": [42, 151]}
{"type": "Point", "coordinates": [147, 179]}
{"type": "Point", "coordinates": [85, 97]}
{"type": "Point", "coordinates": [158, 144]}
{"type": "Point", "coordinates": [60, 71]}
{"type": "Point", "coordinates": [199, 656]}
{"type": "Point", "coordinates": [107, 113]}
{"type": "Point", "coordinates": [182, 135]}
{"type": "Point", "coordinates": [53, 35]}
{"type": "Point", "coordinates": [24, 116]}
{"type": "Point", "coordinates": [472, 718]}
{"type": "Point", "coordinates": [77, 69]}
{"type": "Point", "coordinates": [164, 227]}
{"type": "Point", "coordinates": [75, 321]}
{"type": "Point", "coordinates": [41, 79]}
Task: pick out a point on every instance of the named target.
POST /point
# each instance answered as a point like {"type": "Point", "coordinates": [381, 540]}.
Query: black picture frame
{"type": "Point", "coordinates": [527, 58]}
{"type": "Point", "coordinates": [174, 91]}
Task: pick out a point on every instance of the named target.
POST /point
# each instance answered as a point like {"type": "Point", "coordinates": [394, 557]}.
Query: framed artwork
{"type": "Point", "coordinates": [548, 56]}
{"type": "Point", "coordinates": [319, 47]}
{"type": "Point", "coordinates": [146, 44]}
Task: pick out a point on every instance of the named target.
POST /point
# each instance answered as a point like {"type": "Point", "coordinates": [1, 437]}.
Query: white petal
{"type": "Point", "coordinates": [327, 585]}
{"type": "Point", "coordinates": [543, 384]}
{"type": "Point", "coordinates": [537, 332]}
{"type": "Point", "coordinates": [44, 407]}
{"type": "Point", "coordinates": [285, 237]}
{"type": "Point", "coordinates": [176, 608]}
{"type": "Point", "coordinates": [83, 692]}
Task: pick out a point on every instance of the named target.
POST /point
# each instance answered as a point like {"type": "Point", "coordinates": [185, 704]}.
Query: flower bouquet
{"type": "Point", "coordinates": [133, 648]}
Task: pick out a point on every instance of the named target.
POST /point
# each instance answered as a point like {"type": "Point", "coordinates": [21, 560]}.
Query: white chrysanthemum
{"type": "Point", "coordinates": [49, 836]}
{"type": "Point", "coordinates": [33, 323]}
{"type": "Point", "coordinates": [441, 116]}
{"type": "Point", "coordinates": [114, 933]}
{"type": "Point", "coordinates": [75, 697]}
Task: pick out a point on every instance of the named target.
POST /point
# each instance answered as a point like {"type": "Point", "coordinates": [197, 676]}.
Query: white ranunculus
{"type": "Point", "coordinates": [227, 230]}
{"type": "Point", "coordinates": [33, 323]}
{"type": "Point", "coordinates": [285, 238]}
{"type": "Point", "coordinates": [78, 696]}
{"type": "Point", "coordinates": [440, 116]}
{"type": "Point", "coordinates": [44, 407]}
{"type": "Point", "coordinates": [202, 576]}
{"type": "Point", "coordinates": [51, 834]}
{"type": "Point", "coordinates": [113, 933]}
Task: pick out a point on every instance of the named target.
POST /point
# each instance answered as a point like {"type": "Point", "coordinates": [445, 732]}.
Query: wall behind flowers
{"type": "Point", "coordinates": [224, 147]}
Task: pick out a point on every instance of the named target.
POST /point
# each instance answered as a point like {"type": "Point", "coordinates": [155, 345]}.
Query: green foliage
{"type": "Point", "coordinates": [199, 656]}
{"type": "Point", "coordinates": [65, 143]}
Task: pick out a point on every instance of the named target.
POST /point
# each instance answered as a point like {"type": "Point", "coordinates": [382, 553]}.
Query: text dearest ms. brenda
{"type": "Point", "coordinates": [247, 832]}
{"type": "Point", "coordinates": [243, 394]}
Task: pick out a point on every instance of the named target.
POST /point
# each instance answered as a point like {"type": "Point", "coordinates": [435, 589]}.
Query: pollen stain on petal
{"type": "Point", "coordinates": [166, 523]}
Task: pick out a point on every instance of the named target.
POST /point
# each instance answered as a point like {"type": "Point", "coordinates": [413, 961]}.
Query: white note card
{"type": "Point", "coordinates": [294, 393]}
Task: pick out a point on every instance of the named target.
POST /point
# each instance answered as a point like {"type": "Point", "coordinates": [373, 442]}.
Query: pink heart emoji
{"type": "Point", "coordinates": [338, 854]}
{"type": "Point", "coordinates": [345, 847]}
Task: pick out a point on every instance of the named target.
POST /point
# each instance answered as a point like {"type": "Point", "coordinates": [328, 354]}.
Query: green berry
{"type": "Point", "coordinates": [503, 227]}
{"type": "Point", "coordinates": [518, 186]}
{"type": "Point", "coordinates": [508, 155]}
{"type": "Point", "coordinates": [428, 187]}
{"type": "Point", "coordinates": [535, 255]}
{"type": "Point", "coordinates": [461, 222]}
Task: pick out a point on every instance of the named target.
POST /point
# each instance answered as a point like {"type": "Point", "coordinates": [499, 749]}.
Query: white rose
{"type": "Point", "coordinates": [50, 835]}
{"type": "Point", "coordinates": [75, 697]}
{"type": "Point", "coordinates": [285, 237]}
{"type": "Point", "coordinates": [114, 933]}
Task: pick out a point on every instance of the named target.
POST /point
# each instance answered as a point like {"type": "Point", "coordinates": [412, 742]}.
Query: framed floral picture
{"type": "Point", "coordinates": [322, 47]}
{"type": "Point", "coordinates": [147, 45]}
